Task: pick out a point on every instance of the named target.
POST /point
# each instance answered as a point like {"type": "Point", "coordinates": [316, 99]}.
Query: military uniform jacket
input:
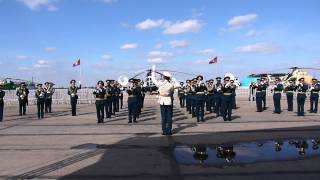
{"type": "Point", "coordinates": [201, 89]}
{"type": "Point", "coordinates": [302, 88]}
{"type": "Point", "coordinates": [181, 91]}
{"type": "Point", "coordinates": [315, 88]}
{"type": "Point", "coordinates": [228, 89]}
{"type": "Point", "coordinates": [22, 94]}
{"type": "Point", "coordinates": [72, 91]}
{"type": "Point", "coordinates": [2, 94]}
{"type": "Point", "coordinates": [217, 88]}
{"type": "Point", "coordinates": [49, 92]}
{"type": "Point", "coordinates": [210, 89]}
{"type": "Point", "coordinates": [40, 94]}
{"type": "Point", "coordinates": [278, 88]}
{"type": "Point", "coordinates": [100, 94]}
{"type": "Point", "coordinates": [289, 89]}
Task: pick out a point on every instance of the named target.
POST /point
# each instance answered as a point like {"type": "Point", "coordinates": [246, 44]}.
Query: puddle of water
{"type": "Point", "coordinates": [246, 153]}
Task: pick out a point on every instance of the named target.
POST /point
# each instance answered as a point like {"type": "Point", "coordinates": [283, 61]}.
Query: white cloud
{"type": "Point", "coordinates": [208, 52]}
{"type": "Point", "coordinates": [106, 57]}
{"type": "Point", "coordinates": [251, 34]}
{"type": "Point", "coordinates": [41, 64]}
{"type": "Point", "coordinates": [156, 60]}
{"type": "Point", "coordinates": [160, 54]}
{"type": "Point", "coordinates": [261, 48]}
{"type": "Point", "coordinates": [158, 46]}
{"type": "Point", "coordinates": [21, 57]}
{"type": "Point", "coordinates": [149, 24]}
{"type": "Point", "coordinates": [49, 49]}
{"type": "Point", "coordinates": [35, 5]}
{"type": "Point", "coordinates": [192, 25]}
{"type": "Point", "coordinates": [179, 44]}
{"type": "Point", "coordinates": [129, 46]}
{"type": "Point", "coordinates": [23, 68]}
{"type": "Point", "coordinates": [238, 22]}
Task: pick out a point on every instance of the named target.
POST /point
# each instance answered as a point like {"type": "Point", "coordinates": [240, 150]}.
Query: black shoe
{"type": "Point", "coordinates": [135, 121]}
{"type": "Point", "coordinates": [129, 122]}
{"type": "Point", "coordinates": [164, 134]}
{"type": "Point", "coordinates": [169, 134]}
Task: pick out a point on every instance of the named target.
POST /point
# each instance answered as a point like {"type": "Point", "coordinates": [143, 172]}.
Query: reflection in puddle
{"type": "Point", "coordinates": [245, 153]}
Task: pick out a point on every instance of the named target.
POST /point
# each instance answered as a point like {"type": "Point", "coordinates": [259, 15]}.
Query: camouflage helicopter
{"type": "Point", "coordinates": [299, 72]}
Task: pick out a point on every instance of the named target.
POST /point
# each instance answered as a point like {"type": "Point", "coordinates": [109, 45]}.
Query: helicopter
{"type": "Point", "coordinates": [12, 84]}
{"type": "Point", "coordinates": [147, 83]}
{"type": "Point", "coordinates": [295, 74]}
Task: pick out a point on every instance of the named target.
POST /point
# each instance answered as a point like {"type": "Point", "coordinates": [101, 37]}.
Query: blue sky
{"type": "Point", "coordinates": [43, 38]}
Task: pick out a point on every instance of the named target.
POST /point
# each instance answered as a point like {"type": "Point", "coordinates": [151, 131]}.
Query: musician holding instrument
{"type": "Point", "coordinates": [314, 95]}
{"type": "Point", "coordinates": [99, 94]}
{"type": "Point", "coordinates": [200, 98]}
{"type": "Point", "coordinates": [277, 90]}
{"type": "Point", "coordinates": [40, 96]}
{"type": "Point", "coordinates": [133, 94]}
{"type": "Point", "coordinates": [217, 96]}
{"type": "Point", "coordinates": [73, 93]}
{"type": "Point", "coordinates": [227, 98]}
{"type": "Point", "coordinates": [22, 93]}
{"type": "Point", "coordinates": [49, 90]}
{"type": "Point", "coordinates": [289, 90]}
{"type": "Point", "coordinates": [301, 89]}
{"type": "Point", "coordinates": [210, 101]}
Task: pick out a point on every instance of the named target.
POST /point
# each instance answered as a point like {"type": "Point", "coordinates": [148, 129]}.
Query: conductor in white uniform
{"type": "Point", "coordinates": [166, 90]}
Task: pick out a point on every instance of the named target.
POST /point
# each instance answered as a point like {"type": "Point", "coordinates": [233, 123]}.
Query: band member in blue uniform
{"type": "Point", "coordinates": [210, 100]}
{"type": "Point", "coordinates": [314, 95]}
{"type": "Point", "coordinates": [289, 90]}
{"type": "Point", "coordinates": [40, 95]}
{"type": "Point", "coordinates": [22, 93]}
{"type": "Point", "coordinates": [73, 93]}
{"type": "Point", "coordinates": [277, 90]}
{"type": "Point", "coordinates": [49, 90]}
{"type": "Point", "coordinates": [264, 92]}
{"type": "Point", "coordinates": [133, 94]}
{"type": "Point", "coordinates": [100, 93]}
{"type": "Point", "coordinates": [301, 89]}
{"type": "Point", "coordinates": [226, 104]}
{"type": "Point", "coordinates": [2, 94]}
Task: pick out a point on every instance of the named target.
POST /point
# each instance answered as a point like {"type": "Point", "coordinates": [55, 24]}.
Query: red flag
{"type": "Point", "coordinates": [77, 63]}
{"type": "Point", "coordinates": [214, 60]}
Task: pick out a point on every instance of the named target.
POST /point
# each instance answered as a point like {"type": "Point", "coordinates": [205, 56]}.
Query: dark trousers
{"type": "Point", "coordinates": [1, 111]}
{"type": "Point", "coordinates": [234, 103]}
{"type": "Point", "coordinates": [22, 107]}
{"type": "Point", "coordinates": [182, 100]}
{"type": "Point", "coordinates": [200, 100]}
{"type": "Point", "coordinates": [217, 103]}
{"type": "Point", "coordinates": [259, 99]}
{"type": "Point", "coordinates": [193, 106]}
{"type": "Point", "coordinates": [276, 102]}
{"type": "Point", "coordinates": [48, 103]}
{"type": "Point", "coordinates": [40, 108]}
{"type": "Point", "coordinates": [290, 101]}
{"type": "Point", "coordinates": [264, 99]}
{"type": "Point", "coordinates": [132, 108]}
{"type": "Point", "coordinates": [108, 107]}
{"type": "Point", "coordinates": [73, 101]}
{"type": "Point", "coordinates": [314, 98]}
{"type": "Point", "coordinates": [114, 105]}
{"type": "Point", "coordinates": [166, 118]}
{"type": "Point", "coordinates": [100, 110]}
{"type": "Point", "coordinates": [121, 101]}
{"type": "Point", "coordinates": [188, 103]}
{"type": "Point", "coordinates": [117, 104]}
{"type": "Point", "coordinates": [301, 98]}
{"type": "Point", "coordinates": [209, 103]}
{"type": "Point", "coordinates": [226, 107]}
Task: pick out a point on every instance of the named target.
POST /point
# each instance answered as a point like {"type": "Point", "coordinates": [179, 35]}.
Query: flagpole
{"type": "Point", "coordinates": [80, 72]}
